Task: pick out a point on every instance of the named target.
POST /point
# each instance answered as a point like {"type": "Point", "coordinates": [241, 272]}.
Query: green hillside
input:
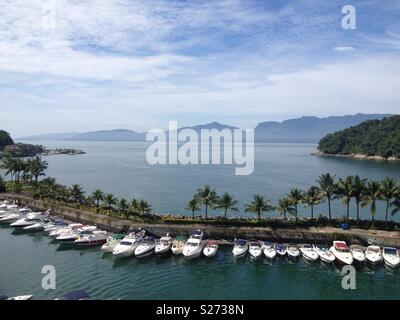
{"type": "Point", "coordinates": [5, 139]}
{"type": "Point", "coordinates": [372, 138]}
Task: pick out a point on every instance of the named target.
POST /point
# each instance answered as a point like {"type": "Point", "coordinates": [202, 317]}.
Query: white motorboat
{"type": "Point", "coordinates": [391, 257]}
{"type": "Point", "coordinates": [308, 252]}
{"type": "Point", "coordinates": [281, 250]}
{"type": "Point", "coordinates": [128, 244]}
{"type": "Point", "coordinates": [163, 245]}
{"type": "Point", "coordinates": [374, 254]}
{"type": "Point", "coordinates": [146, 247]}
{"type": "Point", "coordinates": [29, 219]}
{"type": "Point", "coordinates": [293, 252]}
{"type": "Point", "coordinates": [342, 252]}
{"type": "Point", "coordinates": [18, 298]}
{"type": "Point", "coordinates": [178, 244]}
{"type": "Point", "coordinates": [111, 243]}
{"type": "Point", "coordinates": [194, 246]}
{"type": "Point", "coordinates": [24, 210]}
{"type": "Point", "coordinates": [38, 226]}
{"type": "Point", "coordinates": [269, 250]}
{"type": "Point", "coordinates": [240, 248]}
{"type": "Point", "coordinates": [324, 254]}
{"type": "Point", "coordinates": [95, 238]}
{"type": "Point", "coordinates": [4, 213]}
{"type": "Point", "coordinates": [12, 207]}
{"type": "Point", "coordinates": [210, 249]}
{"type": "Point", "coordinates": [358, 253]}
{"type": "Point", "coordinates": [255, 249]}
{"type": "Point", "coordinates": [66, 229]}
{"type": "Point", "coordinates": [12, 217]}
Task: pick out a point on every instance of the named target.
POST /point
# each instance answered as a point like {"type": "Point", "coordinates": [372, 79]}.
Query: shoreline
{"type": "Point", "coordinates": [225, 234]}
{"type": "Point", "coordinates": [355, 156]}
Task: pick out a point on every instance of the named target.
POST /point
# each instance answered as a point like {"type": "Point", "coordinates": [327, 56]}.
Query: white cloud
{"type": "Point", "coordinates": [344, 48]}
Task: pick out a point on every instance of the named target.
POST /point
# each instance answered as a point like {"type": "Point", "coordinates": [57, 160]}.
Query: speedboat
{"type": "Point", "coordinates": [358, 254]}
{"type": "Point", "coordinates": [374, 254]}
{"type": "Point", "coordinates": [163, 245]}
{"type": "Point", "coordinates": [4, 213]}
{"type": "Point", "coordinates": [293, 252]}
{"type": "Point", "coordinates": [211, 248]}
{"type": "Point", "coordinates": [269, 250]}
{"type": "Point", "coordinates": [12, 207]}
{"type": "Point", "coordinates": [178, 244]}
{"type": "Point", "coordinates": [95, 238]}
{"type": "Point", "coordinates": [12, 217]}
{"type": "Point", "coordinates": [38, 226]}
{"type": "Point", "coordinates": [391, 257]}
{"type": "Point", "coordinates": [281, 250]}
{"type": "Point", "coordinates": [146, 247]}
{"type": "Point", "coordinates": [24, 210]}
{"type": "Point", "coordinates": [66, 229]}
{"type": "Point", "coordinates": [29, 219]}
{"type": "Point", "coordinates": [240, 248]}
{"type": "Point", "coordinates": [17, 298]}
{"type": "Point", "coordinates": [111, 243]}
{"type": "Point", "coordinates": [128, 244]}
{"type": "Point", "coordinates": [308, 252]}
{"type": "Point", "coordinates": [324, 254]}
{"type": "Point", "coordinates": [194, 246]}
{"type": "Point", "coordinates": [342, 252]}
{"type": "Point", "coordinates": [255, 249]}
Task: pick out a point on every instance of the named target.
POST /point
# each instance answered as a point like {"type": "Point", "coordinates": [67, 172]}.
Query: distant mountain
{"type": "Point", "coordinates": [308, 129]}
{"type": "Point", "coordinates": [110, 135]}
{"type": "Point", "coordinates": [304, 129]}
{"type": "Point", "coordinates": [49, 136]}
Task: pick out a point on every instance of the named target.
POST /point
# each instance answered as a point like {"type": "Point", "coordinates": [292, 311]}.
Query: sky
{"type": "Point", "coordinates": [83, 65]}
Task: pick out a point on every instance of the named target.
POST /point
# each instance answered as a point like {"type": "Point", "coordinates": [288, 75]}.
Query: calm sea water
{"type": "Point", "coordinates": [121, 168]}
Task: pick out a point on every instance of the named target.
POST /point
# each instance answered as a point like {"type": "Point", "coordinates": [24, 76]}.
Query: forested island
{"type": "Point", "coordinates": [9, 147]}
{"type": "Point", "coordinates": [373, 139]}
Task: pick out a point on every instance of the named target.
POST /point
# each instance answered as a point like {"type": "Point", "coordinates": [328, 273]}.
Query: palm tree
{"type": "Point", "coordinates": [312, 198]}
{"type": "Point", "coordinates": [37, 167]}
{"type": "Point", "coordinates": [123, 205]}
{"type": "Point", "coordinates": [110, 200]}
{"type": "Point", "coordinates": [328, 188]}
{"type": "Point", "coordinates": [2, 185]}
{"type": "Point", "coordinates": [346, 191]}
{"type": "Point", "coordinates": [98, 196]}
{"type": "Point", "coordinates": [226, 203]}
{"type": "Point", "coordinates": [295, 196]}
{"type": "Point", "coordinates": [358, 192]}
{"type": "Point", "coordinates": [371, 195]}
{"type": "Point", "coordinates": [134, 205]}
{"type": "Point", "coordinates": [193, 205]}
{"type": "Point", "coordinates": [207, 196]}
{"type": "Point", "coordinates": [389, 190]}
{"type": "Point", "coordinates": [143, 207]}
{"type": "Point", "coordinates": [8, 165]}
{"type": "Point", "coordinates": [285, 206]}
{"type": "Point", "coordinates": [77, 193]}
{"type": "Point", "coordinates": [396, 205]}
{"type": "Point", "coordinates": [259, 205]}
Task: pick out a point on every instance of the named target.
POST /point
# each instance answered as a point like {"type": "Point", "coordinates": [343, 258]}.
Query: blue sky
{"type": "Point", "coordinates": [69, 65]}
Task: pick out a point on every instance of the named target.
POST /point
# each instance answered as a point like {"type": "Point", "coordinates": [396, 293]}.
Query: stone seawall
{"type": "Point", "coordinates": [322, 235]}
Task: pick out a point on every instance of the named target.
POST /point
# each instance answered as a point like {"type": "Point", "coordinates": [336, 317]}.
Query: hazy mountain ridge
{"type": "Point", "coordinates": [304, 129]}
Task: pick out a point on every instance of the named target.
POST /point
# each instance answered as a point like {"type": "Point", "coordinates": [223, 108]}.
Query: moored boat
{"type": "Point", "coordinates": [324, 254]}
{"type": "Point", "coordinates": [94, 238]}
{"type": "Point", "coordinates": [128, 244]}
{"type": "Point", "coordinates": [178, 244]}
{"type": "Point", "coordinates": [146, 247]}
{"type": "Point", "coordinates": [163, 245]}
{"type": "Point", "coordinates": [342, 252]}
{"type": "Point", "coordinates": [255, 249]}
{"type": "Point", "coordinates": [194, 246]}
{"type": "Point", "coordinates": [293, 252]}
{"type": "Point", "coordinates": [269, 250]}
{"type": "Point", "coordinates": [210, 249]}
{"type": "Point", "coordinates": [308, 253]}
{"type": "Point", "coordinates": [391, 257]}
{"type": "Point", "coordinates": [281, 250]}
{"type": "Point", "coordinates": [240, 248]}
{"type": "Point", "coordinates": [111, 243]}
{"type": "Point", "coordinates": [374, 254]}
{"type": "Point", "coordinates": [358, 254]}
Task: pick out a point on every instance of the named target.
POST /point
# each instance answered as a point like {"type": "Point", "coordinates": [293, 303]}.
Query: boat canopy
{"type": "Point", "coordinates": [76, 295]}
{"type": "Point", "coordinates": [197, 233]}
{"type": "Point", "coordinates": [390, 250]}
{"type": "Point", "coordinates": [341, 245]}
{"type": "Point", "coordinates": [240, 242]}
{"type": "Point", "coordinates": [180, 238]}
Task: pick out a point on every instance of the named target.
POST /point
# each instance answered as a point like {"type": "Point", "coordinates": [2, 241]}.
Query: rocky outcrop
{"type": "Point", "coordinates": [356, 156]}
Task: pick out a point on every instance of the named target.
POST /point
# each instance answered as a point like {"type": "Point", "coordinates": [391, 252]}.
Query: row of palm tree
{"type": "Point", "coordinates": [28, 170]}
{"type": "Point", "coordinates": [364, 192]}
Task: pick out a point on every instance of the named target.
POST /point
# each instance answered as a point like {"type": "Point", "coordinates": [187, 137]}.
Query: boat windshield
{"type": "Point", "coordinates": [391, 251]}
{"type": "Point", "coordinates": [192, 244]}
{"type": "Point", "coordinates": [125, 243]}
{"type": "Point", "coordinates": [374, 249]}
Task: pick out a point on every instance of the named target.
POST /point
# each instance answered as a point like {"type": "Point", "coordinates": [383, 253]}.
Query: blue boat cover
{"type": "Point", "coordinates": [389, 250]}
{"type": "Point", "coordinates": [76, 295]}
{"type": "Point", "coordinates": [240, 242]}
